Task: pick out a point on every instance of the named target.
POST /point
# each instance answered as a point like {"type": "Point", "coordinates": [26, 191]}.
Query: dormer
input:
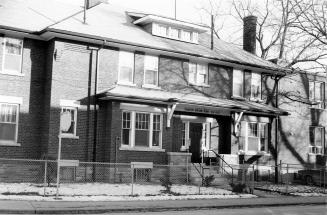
{"type": "Point", "coordinates": [168, 27]}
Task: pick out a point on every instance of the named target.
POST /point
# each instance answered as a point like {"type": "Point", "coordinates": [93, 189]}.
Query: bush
{"type": "Point", "coordinates": [238, 188]}
{"type": "Point", "coordinates": [166, 183]}
{"type": "Point", "coordinates": [207, 181]}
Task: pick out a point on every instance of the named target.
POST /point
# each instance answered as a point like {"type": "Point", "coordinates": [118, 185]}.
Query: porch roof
{"type": "Point", "coordinates": [121, 92]}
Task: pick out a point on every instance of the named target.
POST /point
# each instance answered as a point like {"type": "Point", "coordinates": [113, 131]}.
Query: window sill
{"type": "Point", "coordinates": [12, 73]}
{"type": "Point", "coordinates": [256, 100]}
{"type": "Point", "coordinates": [151, 86]}
{"type": "Point", "coordinates": [199, 85]}
{"type": "Point", "coordinates": [146, 149]}
{"type": "Point", "coordinates": [238, 98]}
{"type": "Point", "coordinates": [184, 148]}
{"type": "Point", "coordinates": [253, 153]}
{"type": "Point", "coordinates": [9, 143]}
{"type": "Point", "coordinates": [317, 108]}
{"type": "Point", "coordinates": [69, 136]}
{"type": "Point", "coordinates": [126, 84]}
{"type": "Point", "coordinates": [313, 154]}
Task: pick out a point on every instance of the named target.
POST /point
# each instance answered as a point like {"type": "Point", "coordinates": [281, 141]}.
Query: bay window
{"type": "Point", "coordinates": [151, 70]}
{"type": "Point", "coordinates": [126, 67]}
{"type": "Point", "coordinates": [141, 129]}
{"type": "Point", "coordinates": [254, 137]}
{"type": "Point", "coordinates": [12, 55]}
{"type": "Point", "coordinates": [8, 122]}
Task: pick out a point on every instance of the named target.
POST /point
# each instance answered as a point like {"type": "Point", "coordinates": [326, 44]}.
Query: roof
{"type": "Point", "coordinates": [34, 15]}
{"type": "Point", "coordinates": [121, 92]}
{"type": "Point", "coordinates": [112, 23]}
{"type": "Point", "coordinates": [116, 25]}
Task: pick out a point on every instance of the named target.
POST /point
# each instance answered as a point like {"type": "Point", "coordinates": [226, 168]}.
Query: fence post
{"type": "Point", "coordinates": [280, 171]}
{"type": "Point", "coordinates": [324, 179]}
{"type": "Point", "coordinates": [45, 176]}
{"type": "Point", "coordinates": [252, 179]}
{"type": "Point", "coordinates": [287, 179]}
{"type": "Point", "coordinates": [132, 173]}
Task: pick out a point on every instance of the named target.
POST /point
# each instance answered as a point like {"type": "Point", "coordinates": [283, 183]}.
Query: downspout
{"type": "Point", "coordinates": [95, 126]}
{"type": "Point", "coordinates": [88, 107]}
{"type": "Point", "coordinates": [276, 130]}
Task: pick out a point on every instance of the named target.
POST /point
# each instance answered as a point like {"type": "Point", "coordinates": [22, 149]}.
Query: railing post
{"type": "Point", "coordinates": [280, 171]}
{"type": "Point", "coordinates": [287, 178]}
{"type": "Point", "coordinates": [45, 176]}
{"type": "Point", "coordinates": [132, 173]}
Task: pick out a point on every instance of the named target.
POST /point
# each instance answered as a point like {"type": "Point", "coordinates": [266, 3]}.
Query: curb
{"type": "Point", "coordinates": [144, 208]}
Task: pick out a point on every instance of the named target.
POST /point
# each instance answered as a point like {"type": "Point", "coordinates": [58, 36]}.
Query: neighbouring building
{"type": "Point", "coordinates": [141, 87]}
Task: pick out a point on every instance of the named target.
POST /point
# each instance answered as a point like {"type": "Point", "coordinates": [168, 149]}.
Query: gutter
{"type": "Point", "coordinates": [99, 40]}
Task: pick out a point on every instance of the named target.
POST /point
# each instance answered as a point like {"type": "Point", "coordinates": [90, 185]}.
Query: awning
{"type": "Point", "coordinates": [188, 102]}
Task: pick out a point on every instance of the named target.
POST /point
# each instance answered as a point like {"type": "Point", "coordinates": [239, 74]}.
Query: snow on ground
{"type": "Point", "coordinates": [298, 190]}
{"type": "Point", "coordinates": [111, 192]}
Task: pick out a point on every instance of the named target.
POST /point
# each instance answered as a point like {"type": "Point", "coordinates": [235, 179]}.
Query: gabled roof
{"type": "Point", "coordinates": [154, 96]}
{"type": "Point", "coordinates": [111, 23]}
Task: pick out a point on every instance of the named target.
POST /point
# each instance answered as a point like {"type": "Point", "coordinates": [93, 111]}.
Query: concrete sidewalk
{"type": "Point", "coordinates": [60, 207]}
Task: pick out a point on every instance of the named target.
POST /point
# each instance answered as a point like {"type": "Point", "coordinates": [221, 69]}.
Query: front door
{"type": "Point", "coordinates": [195, 147]}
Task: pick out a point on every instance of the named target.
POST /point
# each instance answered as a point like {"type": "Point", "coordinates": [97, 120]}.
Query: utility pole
{"type": "Point", "coordinates": [175, 9]}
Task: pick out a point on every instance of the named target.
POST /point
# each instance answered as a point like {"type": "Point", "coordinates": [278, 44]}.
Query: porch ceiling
{"type": "Point", "coordinates": [158, 96]}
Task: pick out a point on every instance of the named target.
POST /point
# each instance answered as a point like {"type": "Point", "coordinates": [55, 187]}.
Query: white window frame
{"type": "Point", "coordinates": [242, 81]}
{"type": "Point", "coordinates": [11, 72]}
{"type": "Point", "coordinates": [156, 30]}
{"type": "Point", "coordinates": [246, 143]}
{"type": "Point", "coordinates": [150, 147]}
{"type": "Point", "coordinates": [123, 54]}
{"type": "Point", "coordinates": [70, 105]}
{"type": "Point", "coordinates": [147, 58]}
{"type": "Point", "coordinates": [12, 142]}
{"type": "Point", "coordinates": [186, 136]}
{"type": "Point", "coordinates": [312, 95]}
{"type": "Point", "coordinates": [198, 74]}
{"type": "Point", "coordinates": [313, 145]}
{"type": "Point", "coordinates": [252, 83]}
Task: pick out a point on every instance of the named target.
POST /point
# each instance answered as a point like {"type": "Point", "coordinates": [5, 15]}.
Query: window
{"type": "Point", "coordinates": [256, 86]}
{"type": "Point", "coordinates": [238, 83]}
{"type": "Point", "coordinates": [175, 33]}
{"type": "Point", "coordinates": [12, 55]}
{"type": "Point", "coordinates": [185, 135]}
{"type": "Point", "coordinates": [126, 67]}
{"type": "Point", "coordinates": [198, 74]}
{"type": "Point", "coordinates": [317, 140]}
{"type": "Point", "coordinates": [151, 70]}
{"type": "Point", "coordinates": [8, 122]}
{"type": "Point", "coordinates": [141, 129]}
{"type": "Point", "coordinates": [255, 136]}
{"type": "Point", "coordinates": [72, 111]}
{"type": "Point", "coordinates": [317, 93]}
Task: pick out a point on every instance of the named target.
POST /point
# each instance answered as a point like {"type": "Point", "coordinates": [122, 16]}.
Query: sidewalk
{"type": "Point", "coordinates": [60, 207]}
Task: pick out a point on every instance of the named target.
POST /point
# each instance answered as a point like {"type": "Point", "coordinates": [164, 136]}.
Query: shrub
{"type": "Point", "coordinates": [238, 188]}
{"type": "Point", "coordinates": [207, 181]}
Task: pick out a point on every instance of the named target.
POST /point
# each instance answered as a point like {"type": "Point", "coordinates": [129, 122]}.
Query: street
{"type": "Point", "coordinates": [288, 210]}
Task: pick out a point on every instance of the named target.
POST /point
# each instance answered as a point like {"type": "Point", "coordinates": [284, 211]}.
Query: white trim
{"type": "Point", "coordinates": [138, 148]}
{"type": "Point", "coordinates": [11, 72]}
{"type": "Point", "coordinates": [11, 99]}
{"type": "Point", "coordinates": [70, 103]}
{"type": "Point", "coordinates": [147, 57]}
{"type": "Point", "coordinates": [9, 143]}
{"type": "Point", "coordinates": [13, 142]}
{"type": "Point", "coordinates": [142, 108]}
{"type": "Point", "coordinates": [195, 119]}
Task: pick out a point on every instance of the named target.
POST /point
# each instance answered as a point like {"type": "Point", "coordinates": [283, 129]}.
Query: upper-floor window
{"type": "Point", "coordinates": [317, 140]}
{"type": "Point", "coordinates": [12, 55]}
{"type": "Point", "coordinates": [317, 93]}
{"type": "Point", "coordinates": [238, 83]}
{"type": "Point", "coordinates": [126, 67]}
{"type": "Point", "coordinates": [175, 33]}
{"type": "Point", "coordinates": [198, 74]}
{"type": "Point", "coordinates": [8, 122]}
{"type": "Point", "coordinates": [255, 86]}
{"type": "Point", "coordinates": [151, 70]}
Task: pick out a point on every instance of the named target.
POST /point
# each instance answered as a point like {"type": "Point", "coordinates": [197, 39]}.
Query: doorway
{"type": "Point", "coordinates": [195, 147]}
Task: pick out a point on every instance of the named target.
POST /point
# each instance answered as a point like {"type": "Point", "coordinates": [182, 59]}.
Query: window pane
{"type": "Point", "coordinates": [162, 30]}
{"type": "Point", "coordinates": [186, 35]}
{"type": "Point", "coordinates": [192, 72]}
{"type": "Point", "coordinates": [195, 37]}
{"type": "Point", "coordinates": [126, 66]}
{"type": "Point", "coordinates": [318, 91]}
{"type": "Point", "coordinates": [150, 77]}
{"type": "Point", "coordinates": [71, 129]}
{"type": "Point", "coordinates": [155, 138]}
{"type": "Point", "coordinates": [126, 136]}
{"type": "Point", "coordinates": [238, 83]}
{"type": "Point", "coordinates": [12, 63]}
{"type": "Point", "coordinates": [253, 130]}
{"type": "Point", "coordinates": [311, 90]}
{"type": "Point", "coordinates": [256, 85]}
{"type": "Point", "coordinates": [253, 144]}
{"type": "Point", "coordinates": [174, 33]}
{"type": "Point", "coordinates": [141, 138]}
{"type": "Point", "coordinates": [7, 131]}
{"type": "Point", "coordinates": [318, 136]}
{"type": "Point", "coordinates": [183, 133]}
{"type": "Point", "coordinates": [13, 46]}
{"type": "Point", "coordinates": [202, 74]}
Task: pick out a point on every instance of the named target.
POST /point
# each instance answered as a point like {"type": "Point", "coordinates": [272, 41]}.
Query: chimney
{"type": "Point", "coordinates": [92, 3]}
{"type": "Point", "coordinates": [249, 33]}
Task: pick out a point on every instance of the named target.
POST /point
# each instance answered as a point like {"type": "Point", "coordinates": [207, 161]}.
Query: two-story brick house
{"type": "Point", "coordinates": [137, 87]}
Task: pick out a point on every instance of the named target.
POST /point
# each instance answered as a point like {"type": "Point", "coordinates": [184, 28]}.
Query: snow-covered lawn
{"type": "Point", "coordinates": [111, 192]}
{"type": "Point", "coordinates": [298, 190]}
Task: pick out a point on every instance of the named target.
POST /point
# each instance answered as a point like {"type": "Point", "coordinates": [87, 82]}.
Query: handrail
{"type": "Point", "coordinates": [218, 156]}
{"type": "Point", "coordinates": [201, 174]}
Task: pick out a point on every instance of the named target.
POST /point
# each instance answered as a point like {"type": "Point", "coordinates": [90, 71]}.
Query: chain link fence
{"type": "Point", "coordinates": [137, 178]}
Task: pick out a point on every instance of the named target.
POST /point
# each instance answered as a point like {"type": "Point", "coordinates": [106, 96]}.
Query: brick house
{"type": "Point", "coordinates": [136, 87]}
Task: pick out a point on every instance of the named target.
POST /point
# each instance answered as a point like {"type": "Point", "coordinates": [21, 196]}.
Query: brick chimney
{"type": "Point", "coordinates": [249, 33]}
{"type": "Point", "coordinates": [92, 3]}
